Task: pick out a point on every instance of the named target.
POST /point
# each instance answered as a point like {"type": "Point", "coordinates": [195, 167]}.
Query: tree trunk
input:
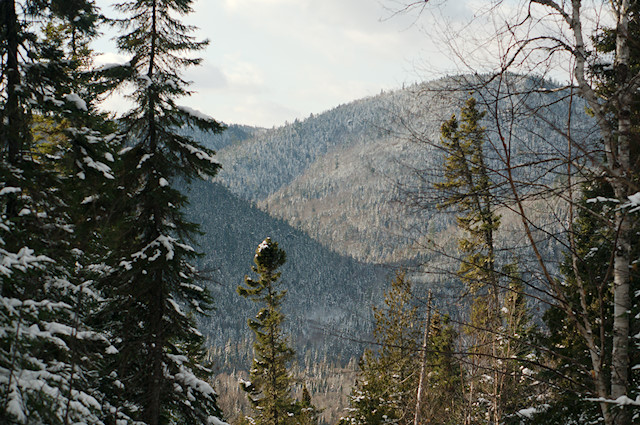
{"type": "Point", "coordinates": [12, 111]}
{"type": "Point", "coordinates": [423, 363]}
{"type": "Point", "coordinates": [622, 259]}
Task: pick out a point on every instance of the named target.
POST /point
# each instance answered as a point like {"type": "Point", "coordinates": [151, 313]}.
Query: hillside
{"type": "Point", "coordinates": [329, 189]}
{"type": "Point", "coordinates": [327, 293]}
{"type": "Point", "coordinates": [337, 174]}
{"type": "Point", "coordinates": [330, 182]}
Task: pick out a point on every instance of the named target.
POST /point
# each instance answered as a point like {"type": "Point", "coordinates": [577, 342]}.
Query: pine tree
{"type": "Point", "coordinates": [154, 288]}
{"type": "Point", "coordinates": [269, 389]}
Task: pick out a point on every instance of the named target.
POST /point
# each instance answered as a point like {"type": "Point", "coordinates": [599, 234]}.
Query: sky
{"type": "Point", "coordinates": [274, 61]}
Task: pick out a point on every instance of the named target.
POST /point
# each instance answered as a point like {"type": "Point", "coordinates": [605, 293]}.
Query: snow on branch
{"type": "Point", "coordinates": [169, 243]}
{"type": "Point", "coordinates": [195, 113]}
{"type": "Point", "coordinates": [100, 166]}
{"type": "Point", "coordinates": [77, 101]}
{"type": "Point", "coordinates": [634, 202]}
{"type": "Point", "coordinates": [623, 400]}
{"type": "Point", "coordinates": [23, 260]}
{"type": "Point", "coordinates": [200, 154]}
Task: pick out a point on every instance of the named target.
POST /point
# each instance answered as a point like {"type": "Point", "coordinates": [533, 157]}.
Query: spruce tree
{"type": "Point", "coordinates": [154, 289]}
{"type": "Point", "coordinates": [269, 389]}
{"type": "Point", "coordinates": [585, 271]}
{"type": "Point", "coordinates": [387, 385]}
{"type": "Point", "coordinates": [49, 353]}
{"type": "Point", "coordinates": [596, 242]}
{"type": "Point", "coordinates": [493, 329]}
{"type": "Point", "coordinates": [444, 397]}
{"type": "Point", "coordinates": [308, 413]}
{"type": "Point", "coordinates": [398, 332]}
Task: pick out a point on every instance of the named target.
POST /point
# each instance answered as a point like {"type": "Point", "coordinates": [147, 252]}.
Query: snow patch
{"type": "Point", "coordinates": [144, 158]}
{"type": "Point", "coordinates": [76, 100]}
{"type": "Point", "coordinates": [634, 201]}
{"type": "Point", "coordinates": [195, 113]}
{"type": "Point", "coordinates": [111, 350]}
{"type": "Point", "coordinates": [7, 190]}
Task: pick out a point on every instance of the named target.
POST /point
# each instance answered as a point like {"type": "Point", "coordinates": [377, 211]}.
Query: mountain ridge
{"type": "Point", "coordinates": [339, 175]}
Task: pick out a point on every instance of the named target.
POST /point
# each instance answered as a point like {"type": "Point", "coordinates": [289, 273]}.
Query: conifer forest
{"type": "Point", "coordinates": [463, 250]}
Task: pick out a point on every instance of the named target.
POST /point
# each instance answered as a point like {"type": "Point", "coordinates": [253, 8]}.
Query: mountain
{"type": "Point", "coordinates": [340, 176]}
{"type": "Point", "coordinates": [329, 190]}
{"type": "Point", "coordinates": [328, 294]}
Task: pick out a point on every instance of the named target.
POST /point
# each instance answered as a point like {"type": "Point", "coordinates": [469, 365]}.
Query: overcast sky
{"type": "Point", "coordinates": [272, 61]}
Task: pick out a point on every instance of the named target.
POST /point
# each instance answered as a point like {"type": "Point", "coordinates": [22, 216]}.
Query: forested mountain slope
{"type": "Point", "coordinates": [335, 175]}
{"type": "Point", "coordinates": [327, 292]}
{"type": "Point", "coordinates": [329, 190]}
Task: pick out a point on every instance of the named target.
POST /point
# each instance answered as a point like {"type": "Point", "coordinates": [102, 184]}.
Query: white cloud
{"type": "Point", "coordinates": [107, 58]}
{"type": "Point", "coordinates": [243, 75]}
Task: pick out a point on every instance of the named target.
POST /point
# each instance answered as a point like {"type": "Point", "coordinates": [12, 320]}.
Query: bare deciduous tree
{"type": "Point", "coordinates": [558, 38]}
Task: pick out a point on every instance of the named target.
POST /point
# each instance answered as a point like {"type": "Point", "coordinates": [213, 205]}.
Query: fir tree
{"type": "Point", "coordinates": [269, 389]}
{"type": "Point", "coordinates": [154, 286]}
{"type": "Point", "coordinates": [307, 413]}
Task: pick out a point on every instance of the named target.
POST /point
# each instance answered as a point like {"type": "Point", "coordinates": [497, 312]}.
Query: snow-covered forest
{"type": "Point", "coordinates": [459, 251]}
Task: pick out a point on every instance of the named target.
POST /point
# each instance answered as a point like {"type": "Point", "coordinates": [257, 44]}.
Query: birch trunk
{"type": "Point", "coordinates": [622, 259]}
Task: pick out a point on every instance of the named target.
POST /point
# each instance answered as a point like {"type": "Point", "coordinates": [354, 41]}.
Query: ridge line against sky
{"type": "Point", "coordinates": [274, 61]}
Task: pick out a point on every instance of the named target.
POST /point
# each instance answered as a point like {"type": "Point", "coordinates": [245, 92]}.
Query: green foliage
{"type": "Point", "coordinates": [154, 290]}
{"type": "Point", "coordinates": [468, 189]}
{"type": "Point", "coordinates": [498, 323]}
{"type": "Point", "coordinates": [51, 353]}
{"type": "Point", "coordinates": [269, 389]}
{"type": "Point", "coordinates": [590, 274]}
{"type": "Point", "coordinates": [443, 401]}
{"type": "Point", "coordinates": [386, 389]}
{"type": "Point", "coordinates": [306, 413]}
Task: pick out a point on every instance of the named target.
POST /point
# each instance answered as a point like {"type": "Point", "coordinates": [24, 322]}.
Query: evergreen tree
{"type": "Point", "coordinates": [307, 413]}
{"type": "Point", "coordinates": [497, 310]}
{"type": "Point", "coordinates": [49, 352]}
{"type": "Point", "coordinates": [153, 286]}
{"type": "Point", "coordinates": [386, 389]}
{"type": "Point", "coordinates": [586, 272]}
{"type": "Point", "coordinates": [397, 332]}
{"type": "Point", "coordinates": [443, 401]}
{"type": "Point", "coordinates": [585, 364]}
{"type": "Point", "coordinates": [269, 389]}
